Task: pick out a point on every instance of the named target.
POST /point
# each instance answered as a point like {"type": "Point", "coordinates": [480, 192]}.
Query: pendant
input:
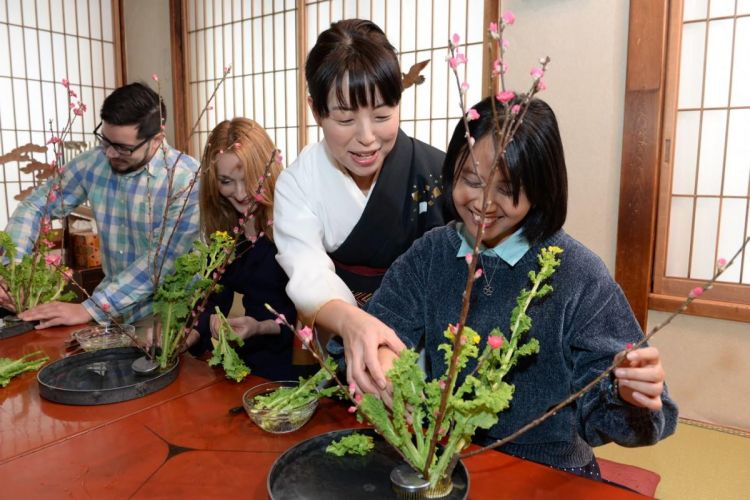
{"type": "Point", "coordinates": [487, 289]}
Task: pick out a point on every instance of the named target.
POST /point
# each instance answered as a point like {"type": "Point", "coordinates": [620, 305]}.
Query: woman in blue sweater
{"type": "Point", "coordinates": [235, 158]}
{"type": "Point", "coordinates": [580, 326]}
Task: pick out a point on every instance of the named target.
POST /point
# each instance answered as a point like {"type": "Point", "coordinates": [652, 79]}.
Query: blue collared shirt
{"type": "Point", "coordinates": [129, 234]}
{"type": "Point", "coordinates": [511, 249]}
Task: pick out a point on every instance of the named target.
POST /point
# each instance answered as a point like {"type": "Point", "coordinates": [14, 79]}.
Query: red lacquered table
{"type": "Point", "coordinates": [182, 441]}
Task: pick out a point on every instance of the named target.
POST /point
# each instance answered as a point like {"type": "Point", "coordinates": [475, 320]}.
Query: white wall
{"type": "Point", "coordinates": [706, 360]}
{"type": "Point", "coordinates": [148, 50]}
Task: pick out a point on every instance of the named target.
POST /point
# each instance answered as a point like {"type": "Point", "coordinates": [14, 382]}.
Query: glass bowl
{"type": "Point", "coordinates": [277, 421]}
{"type": "Point", "coordinates": [97, 337]}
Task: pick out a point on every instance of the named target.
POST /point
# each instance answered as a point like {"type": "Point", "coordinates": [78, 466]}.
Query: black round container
{"type": "Point", "coordinates": [306, 471]}
{"type": "Point", "coordinates": [100, 377]}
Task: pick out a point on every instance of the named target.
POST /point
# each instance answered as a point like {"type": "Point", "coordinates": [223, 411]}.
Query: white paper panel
{"type": "Point", "coordinates": [741, 70]}
{"type": "Point", "coordinates": [737, 170]}
{"type": "Point", "coordinates": [686, 151]}
{"type": "Point", "coordinates": [721, 8]}
{"type": "Point", "coordinates": [731, 231]}
{"type": "Point", "coordinates": [711, 152]}
{"type": "Point", "coordinates": [743, 7]}
{"type": "Point", "coordinates": [704, 238]}
{"type": "Point", "coordinates": [694, 9]}
{"type": "Point", "coordinates": [691, 65]}
{"type": "Point", "coordinates": [678, 245]}
{"type": "Point", "coordinates": [718, 63]}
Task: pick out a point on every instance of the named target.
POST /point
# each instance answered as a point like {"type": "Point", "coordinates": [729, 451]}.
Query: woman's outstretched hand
{"type": "Point", "coordinates": [362, 335]}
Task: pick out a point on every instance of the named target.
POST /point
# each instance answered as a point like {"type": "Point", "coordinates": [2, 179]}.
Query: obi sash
{"type": "Point", "coordinates": [406, 201]}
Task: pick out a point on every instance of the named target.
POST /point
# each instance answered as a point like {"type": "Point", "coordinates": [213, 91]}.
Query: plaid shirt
{"type": "Point", "coordinates": [128, 233]}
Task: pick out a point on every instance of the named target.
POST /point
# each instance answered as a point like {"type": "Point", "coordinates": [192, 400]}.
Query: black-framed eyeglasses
{"type": "Point", "coordinates": [120, 149]}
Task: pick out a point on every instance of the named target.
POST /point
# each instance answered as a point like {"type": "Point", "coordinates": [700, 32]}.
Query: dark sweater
{"type": "Point", "coordinates": [258, 277]}
{"type": "Point", "coordinates": [580, 326]}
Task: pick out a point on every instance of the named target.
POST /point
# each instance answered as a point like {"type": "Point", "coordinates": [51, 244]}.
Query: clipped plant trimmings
{"type": "Point", "coordinates": [9, 368]}
{"type": "Point", "coordinates": [224, 355]}
{"type": "Point", "coordinates": [280, 407]}
{"type": "Point", "coordinates": [474, 403]}
{"type": "Point", "coordinates": [353, 444]}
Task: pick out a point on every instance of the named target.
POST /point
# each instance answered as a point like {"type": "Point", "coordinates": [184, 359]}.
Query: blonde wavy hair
{"type": "Point", "coordinates": [252, 145]}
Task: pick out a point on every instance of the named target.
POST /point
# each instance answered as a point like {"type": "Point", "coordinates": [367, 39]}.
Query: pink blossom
{"type": "Point", "coordinates": [469, 257]}
{"type": "Point", "coordinates": [72, 93]}
{"type": "Point", "coordinates": [455, 39]}
{"type": "Point", "coordinates": [65, 83]}
{"type": "Point", "coordinates": [352, 388]}
{"type": "Point", "coordinates": [696, 292]}
{"type": "Point", "coordinates": [506, 43]}
{"type": "Point", "coordinates": [155, 77]}
{"type": "Point", "coordinates": [463, 340]}
{"type": "Point", "coordinates": [67, 274]}
{"type": "Point", "coordinates": [259, 197]}
{"type": "Point", "coordinates": [280, 319]}
{"type": "Point", "coordinates": [721, 262]}
{"type": "Point", "coordinates": [51, 197]}
{"type": "Point", "coordinates": [105, 307]}
{"type": "Point", "coordinates": [442, 384]}
{"type": "Point", "coordinates": [279, 158]}
{"type": "Point", "coordinates": [47, 243]}
{"type": "Point", "coordinates": [71, 105]}
{"type": "Point", "coordinates": [629, 346]}
{"type": "Point", "coordinates": [472, 114]}
{"type": "Point", "coordinates": [352, 409]}
{"type": "Point", "coordinates": [508, 17]}
{"type": "Point", "coordinates": [493, 29]}
{"type": "Point", "coordinates": [464, 87]}
{"type": "Point", "coordinates": [53, 140]}
{"type": "Point", "coordinates": [515, 109]}
{"type": "Point", "coordinates": [505, 96]}
{"type": "Point", "coordinates": [540, 85]}
{"type": "Point", "coordinates": [52, 259]}
{"type": "Point", "coordinates": [227, 69]}
{"type": "Point", "coordinates": [269, 222]}
{"type": "Point", "coordinates": [305, 334]}
{"type": "Point", "coordinates": [471, 141]}
{"type": "Point", "coordinates": [536, 73]}
{"type": "Point", "coordinates": [358, 398]}
{"type": "Point", "coordinates": [455, 62]}
{"type": "Point", "coordinates": [478, 274]}
{"type": "Point", "coordinates": [236, 230]}
{"type": "Point", "coordinates": [495, 341]}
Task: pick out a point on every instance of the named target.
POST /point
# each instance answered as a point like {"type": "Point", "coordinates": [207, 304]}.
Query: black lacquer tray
{"type": "Point", "coordinates": [306, 471]}
{"type": "Point", "coordinates": [100, 377]}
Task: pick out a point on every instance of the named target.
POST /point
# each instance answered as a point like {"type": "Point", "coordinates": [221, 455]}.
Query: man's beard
{"type": "Point", "coordinates": [130, 169]}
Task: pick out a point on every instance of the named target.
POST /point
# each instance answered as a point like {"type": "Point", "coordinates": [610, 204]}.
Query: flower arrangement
{"type": "Point", "coordinates": [40, 276]}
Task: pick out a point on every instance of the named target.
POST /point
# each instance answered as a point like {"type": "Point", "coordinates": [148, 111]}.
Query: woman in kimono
{"type": "Point", "coordinates": [352, 203]}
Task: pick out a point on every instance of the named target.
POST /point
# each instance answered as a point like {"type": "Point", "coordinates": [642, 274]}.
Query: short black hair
{"type": "Point", "coordinates": [135, 104]}
{"type": "Point", "coordinates": [534, 161]}
{"type": "Point", "coordinates": [359, 49]}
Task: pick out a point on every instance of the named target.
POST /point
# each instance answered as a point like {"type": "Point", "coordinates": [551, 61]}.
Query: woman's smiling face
{"type": "Point", "coordinates": [503, 217]}
{"type": "Point", "coordinates": [360, 140]}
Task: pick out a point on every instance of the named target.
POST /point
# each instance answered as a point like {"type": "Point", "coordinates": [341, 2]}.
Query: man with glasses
{"type": "Point", "coordinates": [126, 182]}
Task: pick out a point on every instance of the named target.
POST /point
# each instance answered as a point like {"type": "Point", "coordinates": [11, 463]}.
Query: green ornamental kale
{"type": "Point", "coordinates": [9, 368]}
{"type": "Point", "coordinates": [224, 355]}
{"type": "Point", "coordinates": [33, 279]}
{"type": "Point", "coordinates": [181, 291]}
{"type": "Point", "coordinates": [353, 444]}
{"type": "Point", "coordinates": [473, 404]}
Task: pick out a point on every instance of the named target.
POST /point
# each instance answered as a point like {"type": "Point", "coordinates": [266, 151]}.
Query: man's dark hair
{"type": "Point", "coordinates": [534, 161]}
{"type": "Point", "coordinates": [360, 50]}
{"type": "Point", "coordinates": [135, 104]}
